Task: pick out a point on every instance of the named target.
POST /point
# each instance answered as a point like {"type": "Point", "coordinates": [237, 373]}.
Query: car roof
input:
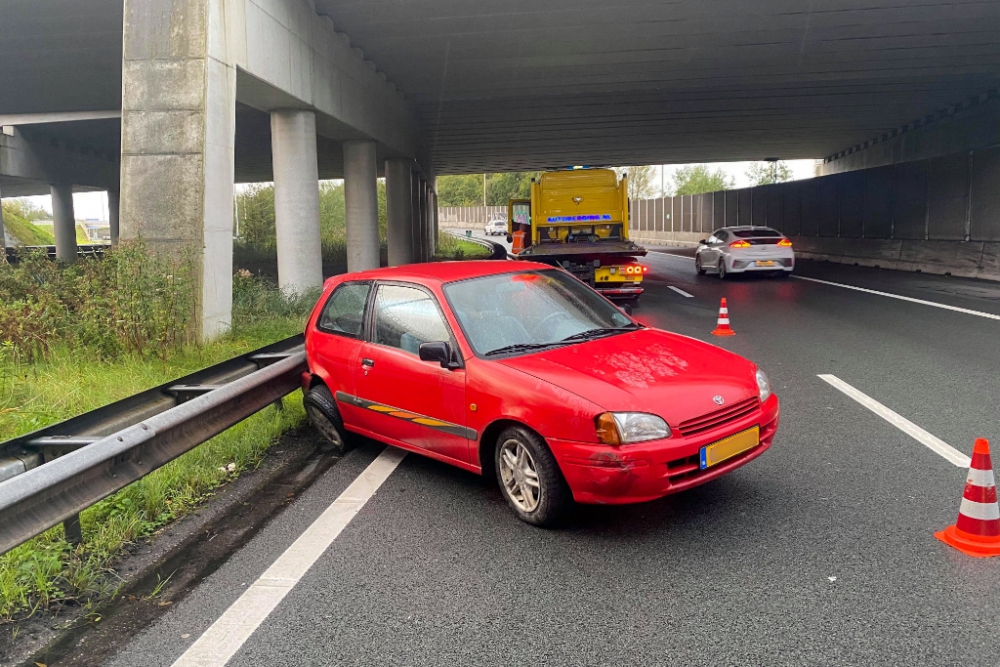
{"type": "Point", "coordinates": [741, 228]}
{"type": "Point", "coordinates": [443, 272]}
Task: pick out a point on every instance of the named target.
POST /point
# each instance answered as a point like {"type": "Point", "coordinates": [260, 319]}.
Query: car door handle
{"type": "Point", "coordinates": [367, 362]}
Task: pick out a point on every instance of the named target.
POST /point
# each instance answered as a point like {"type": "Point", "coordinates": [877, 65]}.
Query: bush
{"type": "Point", "coordinates": [131, 302]}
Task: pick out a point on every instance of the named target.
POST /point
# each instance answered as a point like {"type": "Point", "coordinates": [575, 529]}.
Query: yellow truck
{"type": "Point", "coordinates": [578, 219]}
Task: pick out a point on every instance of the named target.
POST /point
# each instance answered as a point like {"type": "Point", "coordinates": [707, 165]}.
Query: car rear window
{"type": "Point", "coordinates": [755, 233]}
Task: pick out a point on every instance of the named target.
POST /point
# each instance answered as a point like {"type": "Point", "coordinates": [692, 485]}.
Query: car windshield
{"type": "Point", "coordinates": [762, 232]}
{"type": "Point", "coordinates": [520, 312]}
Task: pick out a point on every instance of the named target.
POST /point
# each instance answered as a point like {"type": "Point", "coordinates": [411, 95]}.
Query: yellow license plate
{"type": "Point", "coordinates": [729, 447]}
{"type": "Point", "coordinates": [765, 262]}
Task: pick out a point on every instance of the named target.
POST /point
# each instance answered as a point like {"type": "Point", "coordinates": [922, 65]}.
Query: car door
{"type": "Point", "coordinates": [415, 402]}
{"type": "Point", "coordinates": [718, 248]}
{"type": "Point", "coordinates": [336, 344]}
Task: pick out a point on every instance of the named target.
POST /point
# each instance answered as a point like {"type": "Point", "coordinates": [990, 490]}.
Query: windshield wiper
{"type": "Point", "coordinates": [596, 333]}
{"type": "Point", "coordinates": [522, 347]}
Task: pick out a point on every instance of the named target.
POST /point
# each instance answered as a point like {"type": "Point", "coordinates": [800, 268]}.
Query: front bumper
{"type": "Point", "coordinates": [602, 474]}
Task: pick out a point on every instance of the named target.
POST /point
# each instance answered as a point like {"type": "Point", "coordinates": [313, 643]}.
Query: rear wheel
{"type": "Point", "coordinates": [697, 265]}
{"type": "Point", "coordinates": [722, 269]}
{"type": "Point", "coordinates": [529, 477]}
{"type": "Point", "coordinates": [325, 416]}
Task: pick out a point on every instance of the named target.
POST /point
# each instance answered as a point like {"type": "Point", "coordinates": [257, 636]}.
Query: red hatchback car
{"type": "Point", "coordinates": [521, 371]}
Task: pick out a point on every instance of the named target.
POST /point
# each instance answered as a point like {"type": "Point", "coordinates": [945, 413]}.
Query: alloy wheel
{"type": "Point", "coordinates": [519, 475]}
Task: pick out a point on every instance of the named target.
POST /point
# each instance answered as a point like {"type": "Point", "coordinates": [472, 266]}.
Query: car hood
{"type": "Point", "coordinates": [648, 370]}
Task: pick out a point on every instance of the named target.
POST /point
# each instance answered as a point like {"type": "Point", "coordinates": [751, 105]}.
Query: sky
{"type": "Point", "coordinates": [94, 205]}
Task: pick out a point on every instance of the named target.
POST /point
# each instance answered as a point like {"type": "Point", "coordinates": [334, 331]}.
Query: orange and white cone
{"type": "Point", "coordinates": [722, 328]}
{"type": "Point", "coordinates": [977, 531]}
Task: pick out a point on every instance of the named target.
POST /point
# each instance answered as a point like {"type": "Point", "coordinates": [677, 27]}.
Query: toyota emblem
{"type": "Point", "coordinates": [718, 400]}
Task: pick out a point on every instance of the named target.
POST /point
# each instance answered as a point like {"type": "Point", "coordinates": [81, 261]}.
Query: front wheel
{"type": "Point", "coordinates": [529, 477]}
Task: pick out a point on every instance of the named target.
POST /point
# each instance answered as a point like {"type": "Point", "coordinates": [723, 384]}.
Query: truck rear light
{"type": "Point", "coordinates": [645, 269]}
{"type": "Point", "coordinates": [785, 243]}
{"type": "Point", "coordinates": [739, 244]}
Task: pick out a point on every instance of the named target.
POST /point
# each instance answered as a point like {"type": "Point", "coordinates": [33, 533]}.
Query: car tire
{"type": "Point", "coordinates": [325, 416]}
{"type": "Point", "coordinates": [722, 269]}
{"type": "Point", "coordinates": [697, 265]}
{"type": "Point", "coordinates": [552, 497]}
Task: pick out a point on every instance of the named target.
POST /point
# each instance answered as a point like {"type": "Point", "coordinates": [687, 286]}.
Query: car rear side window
{"type": "Point", "coordinates": [405, 317]}
{"type": "Point", "coordinates": [344, 312]}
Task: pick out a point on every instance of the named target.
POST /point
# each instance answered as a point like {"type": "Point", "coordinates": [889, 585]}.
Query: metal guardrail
{"type": "Point", "coordinates": [83, 250]}
{"type": "Point", "coordinates": [499, 252]}
{"type": "Point", "coordinates": [53, 474]}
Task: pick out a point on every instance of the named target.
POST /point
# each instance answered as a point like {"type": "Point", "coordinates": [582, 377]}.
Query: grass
{"type": "Point", "coordinates": [26, 232]}
{"type": "Point", "coordinates": [450, 246]}
{"type": "Point", "coordinates": [47, 573]}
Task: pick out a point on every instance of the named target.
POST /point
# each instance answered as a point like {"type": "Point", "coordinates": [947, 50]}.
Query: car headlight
{"type": "Point", "coordinates": [622, 428]}
{"type": "Point", "coordinates": [763, 385]}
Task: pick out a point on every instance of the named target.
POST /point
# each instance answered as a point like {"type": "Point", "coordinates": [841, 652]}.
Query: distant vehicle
{"type": "Point", "coordinates": [743, 249]}
{"type": "Point", "coordinates": [577, 219]}
{"type": "Point", "coordinates": [520, 371]}
{"type": "Point", "coordinates": [496, 227]}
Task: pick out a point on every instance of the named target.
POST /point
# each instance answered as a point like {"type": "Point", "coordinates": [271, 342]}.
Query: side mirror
{"type": "Point", "coordinates": [438, 351]}
{"type": "Point", "coordinates": [703, 242]}
{"type": "Point", "coordinates": [625, 308]}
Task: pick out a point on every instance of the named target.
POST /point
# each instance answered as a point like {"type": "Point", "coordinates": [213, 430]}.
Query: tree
{"type": "Point", "coordinates": [465, 190]}
{"type": "Point", "coordinates": [772, 171]}
{"type": "Point", "coordinates": [500, 188]}
{"type": "Point", "coordinates": [698, 178]}
{"type": "Point", "coordinates": [640, 181]}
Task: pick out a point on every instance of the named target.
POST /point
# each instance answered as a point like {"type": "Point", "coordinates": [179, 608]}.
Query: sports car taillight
{"type": "Point", "coordinates": [739, 244]}
{"type": "Point", "coordinates": [785, 243]}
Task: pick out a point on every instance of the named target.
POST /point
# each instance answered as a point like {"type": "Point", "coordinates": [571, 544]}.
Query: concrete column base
{"type": "Point", "coordinates": [64, 222]}
{"type": "Point", "coordinates": [114, 204]}
{"type": "Point", "coordinates": [296, 200]}
{"type": "Point", "coordinates": [361, 202]}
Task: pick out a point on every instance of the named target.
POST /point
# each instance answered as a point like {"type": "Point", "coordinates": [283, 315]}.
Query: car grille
{"type": "Point", "coordinates": [718, 418]}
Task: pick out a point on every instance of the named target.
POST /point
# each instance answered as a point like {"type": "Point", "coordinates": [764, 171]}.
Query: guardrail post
{"type": "Point", "coordinates": [72, 530]}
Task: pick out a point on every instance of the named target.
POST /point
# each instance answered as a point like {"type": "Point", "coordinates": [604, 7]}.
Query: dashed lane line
{"type": "Point", "coordinates": [231, 630]}
{"type": "Point", "coordinates": [681, 292]}
{"type": "Point", "coordinates": [932, 442]}
{"type": "Point", "coordinates": [967, 311]}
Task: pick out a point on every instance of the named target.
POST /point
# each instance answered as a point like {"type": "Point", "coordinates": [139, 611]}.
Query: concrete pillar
{"type": "Point", "coordinates": [178, 142]}
{"type": "Point", "coordinates": [417, 235]}
{"type": "Point", "coordinates": [3, 239]}
{"type": "Point", "coordinates": [425, 256]}
{"type": "Point", "coordinates": [399, 212]}
{"type": "Point", "coordinates": [361, 202]}
{"type": "Point", "coordinates": [434, 218]}
{"type": "Point", "coordinates": [114, 203]}
{"type": "Point", "coordinates": [64, 222]}
{"type": "Point", "coordinates": [296, 200]}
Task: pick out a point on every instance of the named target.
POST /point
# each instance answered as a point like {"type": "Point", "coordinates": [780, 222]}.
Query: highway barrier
{"type": "Point", "coordinates": [51, 475]}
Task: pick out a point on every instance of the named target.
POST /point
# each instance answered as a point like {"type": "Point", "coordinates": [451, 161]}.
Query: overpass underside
{"type": "Point", "coordinates": [167, 105]}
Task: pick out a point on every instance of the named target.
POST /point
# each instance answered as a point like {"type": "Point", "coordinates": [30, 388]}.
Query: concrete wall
{"type": "Point", "coordinates": [940, 215]}
{"type": "Point", "coordinates": [459, 217]}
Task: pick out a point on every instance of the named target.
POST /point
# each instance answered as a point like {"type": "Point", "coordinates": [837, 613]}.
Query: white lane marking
{"type": "Point", "coordinates": [681, 292]}
{"type": "Point", "coordinates": [906, 426]}
{"type": "Point", "coordinates": [967, 311]}
{"type": "Point", "coordinates": [656, 253]}
{"type": "Point", "coordinates": [231, 630]}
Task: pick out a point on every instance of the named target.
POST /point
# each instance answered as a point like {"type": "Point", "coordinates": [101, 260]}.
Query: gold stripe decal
{"type": "Point", "coordinates": [398, 413]}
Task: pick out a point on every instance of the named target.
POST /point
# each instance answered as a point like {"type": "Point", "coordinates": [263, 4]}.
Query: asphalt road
{"type": "Point", "coordinates": [819, 552]}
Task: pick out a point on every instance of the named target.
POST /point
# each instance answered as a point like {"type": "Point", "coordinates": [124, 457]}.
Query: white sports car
{"type": "Point", "coordinates": [741, 249]}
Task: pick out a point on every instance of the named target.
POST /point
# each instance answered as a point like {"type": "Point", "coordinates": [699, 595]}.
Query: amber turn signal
{"type": "Point", "coordinates": [607, 429]}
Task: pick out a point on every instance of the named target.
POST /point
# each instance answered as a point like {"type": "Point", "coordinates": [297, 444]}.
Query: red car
{"type": "Point", "coordinates": [520, 371]}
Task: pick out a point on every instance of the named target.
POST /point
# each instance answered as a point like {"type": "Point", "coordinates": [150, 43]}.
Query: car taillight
{"type": "Point", "coordinates": [645, 269]}
{"type": "Point", "coordinates": [785, 243]}
{"type": "Point", "coordinates": [739, 244]}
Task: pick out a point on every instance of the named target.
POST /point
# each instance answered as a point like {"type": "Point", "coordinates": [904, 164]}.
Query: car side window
{"type": "Point", "coordinates": [720, 237]}
{"type": "Point", "coordinates": [344, 312]}
{"type": "Point", "coordinates": [405, 317]}
{"type": "Point", "coordinates": [712, 240]}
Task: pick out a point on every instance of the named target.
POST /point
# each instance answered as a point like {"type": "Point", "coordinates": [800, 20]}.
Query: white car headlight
{"type": "Point", "coordinates": [627, 427]}
{"type": "Point", "coordinates": [763, 385]}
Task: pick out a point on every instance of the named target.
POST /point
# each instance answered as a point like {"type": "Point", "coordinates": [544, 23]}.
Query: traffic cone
{"type": "Point", "coordinates": [722, 328]}
{"type": "Point", "coordinates": [977, 531]}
